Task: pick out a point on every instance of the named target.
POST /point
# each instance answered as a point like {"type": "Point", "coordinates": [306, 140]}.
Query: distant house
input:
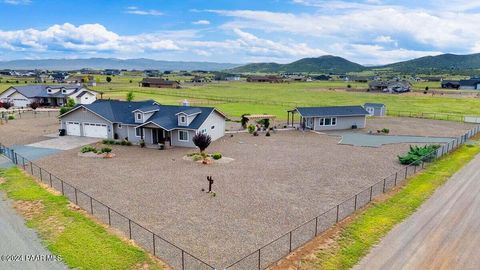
{"type": "Point", "coordinates": [199, 79]}
{"type": "Point", "coordinates": [60, 77]}
{"type": "Point", "coordinates": [159, 83]}
{"type": "Point", "coordinates": [112, 72]}
{"type": "Point", "coordinates": [143, 120]}
{"type": "Point", "coordinates": [393, 86]}
{"type": "Point", "coordinates": [375, 109]}
{"type": "Point", "coordinates": [152, 73]}
{"type": "Point", "coordinates": [47, 95]}
{"type": "Point", "coordinates": [42, 78]}
{"type": "Point", "coordinates": [357, 79]}
{"type": "Point", "coordinates": [450, 84]}
{"type": "Point", "coordinates": [297, 78]}
{"type": "Point", "coordinates": [429, 79]}
{"type": "Point", "coordinates": [471, 84]}
{"type": "Point", "coordinates": [322, 77]}
{"type": "Point", "coordinates": [332, 118]}
{"type": "Point", "coordinates": [265, 79]}
{"type": "Point", "coordinates": [79, 80]}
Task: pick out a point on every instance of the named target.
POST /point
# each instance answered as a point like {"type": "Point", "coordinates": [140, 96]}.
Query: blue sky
{"type": "Point", "coordinates": [365, 31]}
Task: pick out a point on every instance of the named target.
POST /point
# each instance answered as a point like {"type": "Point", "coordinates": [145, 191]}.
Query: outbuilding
{"type": "Point", "coordinates": [375, 109]}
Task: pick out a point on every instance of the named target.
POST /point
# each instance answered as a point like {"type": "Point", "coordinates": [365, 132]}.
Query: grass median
{"type": "Point", "coordinates": [362, 232]}
{"type": "Point", "coordinates": [80, 241]}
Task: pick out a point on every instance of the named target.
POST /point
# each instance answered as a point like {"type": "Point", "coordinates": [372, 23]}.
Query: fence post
{"type": "Point", "coordinates": [51, 184]}
{"type": "Point", "coordinates": [23, 163]}
{"type": "Point", "coordinates": [371, 191]}
{"type": "Point", "coordinates": [109, 220]}
{"type": "Point", "coordinates": [130, 228]}
{"type": "Point", "coordinates": [406, 172]}
{"type": "Point", "coordinates": [31, 167]}
{"type": "Point", "coordinates": [76, 196]}
{"type": "Point", "coordinates": [259, 260]}
{"type": "Point", "coordinates": [396, 175]}
{"type": "Point", "coordinates": [40, 171]}
{"type": "Point", "coordinates": [91, 205]}
{"type": "Point", "coordinates": [414, 168]}
{"type": "Point", "coordinates": [355, 207]}
{"type": "Point", "coordinates": [153, 242]}
{"type": "Point", "coordinates": [290, 247]}
{"type": "Point", "coordinates": [384, 182]}
{"type": "Point", "coordinates": [61, 181]}
{"type": "Point", "coordinates": [338, 210]}
{"type": "Point", "coordinates": [316, 225]}
{"type": "Point", "coordinates": [183, 260]}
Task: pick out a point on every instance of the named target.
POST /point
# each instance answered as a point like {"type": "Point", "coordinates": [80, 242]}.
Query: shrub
{"type": "Point", "coordinates": [251, 128]}
{"type": "Point", "coordinates": [202, 141]}
{"type": "Point", "coordinates": [417, 154]}
{"type": "Point", "coordinates": [11, 117]}
{"type": "Point", "coordinates": [70, 102]}
{"type": "Point", "coordinates": [385, 130]}
{"type": "Point", "coordinates": [142, 143]}
{"type": "Point", "coordinates": [106, 150]}
{"type": "Point", "coordinates": [65, 109]}
{"type": "Point", "coordinates": [34, 105]}
{"type": "Point", "coordinates": [108, 141]}
{"type": "Point", "coordinates": [217, 156]}
{"type": "Point", "coordinates": [197, 157]}
{"type": "Point", "coordinates": [88, 148]}
{"type": "Point", "coordinates": [268, 134]}
{"type": "Point", "coordinates": [255, 133]}
{"type": "Point", "coordinates": [128, 143]}
{"type": "Point", "coordinates": [244, 120]}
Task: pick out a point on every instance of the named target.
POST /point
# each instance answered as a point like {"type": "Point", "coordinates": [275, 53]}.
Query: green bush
{"type": "Point", "coordinates": [88, 148]}
{"type": "Point", "coordinates": [109, 141]}
{"type": "Point", "coordinates": [65, 110]}
{"type": "Point", "coordinates": [217, 156]}
{"type": "Point", "coordinates": [106, 150]}
{"type": "Point", "coordinates": [197, 157]}
{"type": "Point", "coordinates": [385, 130]}
{"type": "Point", "coordinates": [251, 128]}
{"type": "Point", "coordinates": [417, 154]}
{"type": "Point", "coordinates": [11, 117]}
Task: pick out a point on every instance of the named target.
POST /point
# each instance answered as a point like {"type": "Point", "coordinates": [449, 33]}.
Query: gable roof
{"type": "Point", "coordinates": [332, 111]}
{"type": "Point", "coordinates": [470, 82]}
{"type": "Point", "coordinates": [375, 105]}
{"type": "Point", "coordinates": [41, 91]}
{"type": "Point", "coordinates": [190, 110]}
{"type": "Point", "coordinates": [165, 116]}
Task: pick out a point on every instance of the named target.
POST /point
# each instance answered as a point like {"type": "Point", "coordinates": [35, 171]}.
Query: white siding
{"type": "Point", "coordinates": [343, 122]}
{"type": "Point", "coordinates": [217, 121]}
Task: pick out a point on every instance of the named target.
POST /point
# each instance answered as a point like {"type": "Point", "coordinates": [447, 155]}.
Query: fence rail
{"type": "Point", "coordinates": [170, 253]}
{"type": "Point", "coordinates": [428, 115]}
{"type": "Point", "coordinates": [280, 247]}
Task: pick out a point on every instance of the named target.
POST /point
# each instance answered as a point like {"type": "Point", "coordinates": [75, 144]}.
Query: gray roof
{"type": "Point", "coordinates": [117, 111]}
{"type": "Point", "coordinates": [471, 82]}
{"type": "Point", "coordinates": [41, 91]}
{"type": "Point", "coordinates": [375, 105]}
{"type": "Point", "coordinates": [332, 111]}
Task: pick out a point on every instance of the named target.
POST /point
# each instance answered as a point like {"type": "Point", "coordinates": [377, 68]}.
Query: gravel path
{"type": "Point", "coordinates": [17, 239]}
{"type": "Point", "coordinates": [28, 129]}
{"type": "Point", "coordinates": [442, 234]}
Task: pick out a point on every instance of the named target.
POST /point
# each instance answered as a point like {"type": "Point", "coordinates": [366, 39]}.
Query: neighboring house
{"type": "Point", "coordinates": [79, 80]}
{"type": "Point", "coordinates": [322, 77]}
{"type": "Point", "coordinates": [471, 84]}
{"type": "Point", "coordinates": [375, 109]}
{"type": "Point", "coordinates": [199, 79]}
{"type": "Point", "coordinates": [429, 79]}
{"type": "Point", "coordinates": [393, 86]}
{"type": "Point", "coordinates": [47, 95]}
{"type": "Point", "coordinates": [232, 78]}
{"type": "Point", "coordinates": [111, 72]}
{"type": "Point", "coordinates": [147, 120]}
{"type": "Point", "coordinates": [152, 73]}
{"type": "Point", "coordinates": [357, 79]}
{"type": "Point", "coordinates": [60, 77]}
{"type": "Point", "coordinates": [159, 83]}
{"type": "Point", "coordinates": [42, 78]}
{"type": "Point", "coordinates": [332, 118]}
{"type": "Point", "coordinates": [265, 79]}
{"type": "Point", "coordinates": [449, 84]}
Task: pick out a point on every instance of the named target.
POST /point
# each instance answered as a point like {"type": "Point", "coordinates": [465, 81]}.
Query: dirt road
{"type": "Point", "coordinates": [443, 234]}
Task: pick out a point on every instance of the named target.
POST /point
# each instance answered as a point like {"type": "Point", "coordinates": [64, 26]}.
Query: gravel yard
{"type": "Point", "coordinates": [274, 184]}
{"type": "Point", "coordinates": [29, 128]}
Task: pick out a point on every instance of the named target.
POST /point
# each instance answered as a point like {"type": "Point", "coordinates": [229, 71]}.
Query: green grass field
{"type": "Point", "coordinates": [82, 243]}
{"type": "Point", "coordinates": [364, 231]}
{"type": "Point", "coordinates": [237, 98]}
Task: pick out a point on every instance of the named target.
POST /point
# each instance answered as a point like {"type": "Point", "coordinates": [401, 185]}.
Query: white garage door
{"type": "Point", "coordinates": [95, 130]}
{"type": "Point", "coordinates": [73, 128]}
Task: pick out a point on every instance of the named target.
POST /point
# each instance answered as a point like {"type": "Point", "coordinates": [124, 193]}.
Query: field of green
{"type": "Point", "coordinates": [237, 98]}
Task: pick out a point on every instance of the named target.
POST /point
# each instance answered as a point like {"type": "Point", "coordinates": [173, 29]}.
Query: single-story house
{"type": "Point", "coordinates": [471, 84]}
{"type": "Point", "coordinates": [47, 95]}
{"type": "Point", "coordinates": [60, 77]}
{"type": "Point", "coordinates": [331, 118]}
{"type": "Point", "coordinates": [143, 120]}
{"type": "Point", "coordinates": [159, 83]}
{"type": "Point", "coordinates": [375, 109]}
{"type": "Point", "coordinates": [199, 79]}
{"type": "Point", "coordinates": [450, 84]}
{"type": "Point", "coordinates": [322, 78]}
{"type": "Point", "coordinates": [79, 80]}
{"type": "Point", "coordinates": [265, 79]}
{"type": "Point", "coordinates": [393, 86]}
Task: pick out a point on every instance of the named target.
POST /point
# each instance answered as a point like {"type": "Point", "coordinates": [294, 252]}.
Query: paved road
{"type": "Point", "coordinates": [17, 239]}
{"type": "Point", "coordinates": [443, 234]}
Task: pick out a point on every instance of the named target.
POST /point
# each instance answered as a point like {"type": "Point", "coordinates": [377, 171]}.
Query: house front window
{"type": "Point", "coordinates": [327, 121]}
{"type": "Point", "coordinates": [183, 135]}
{"type": "Point", "coordinates": [138, 116]}
{"type": "Point", "coordinates": [183, 119]}
{"type": "Point", "coordinates": [138, 132]}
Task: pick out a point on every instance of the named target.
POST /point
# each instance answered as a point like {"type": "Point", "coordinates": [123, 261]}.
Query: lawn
{"type": "Point", "coordinates": [81, 242]}
{"type": "Point", "coordinates": [360, 234]}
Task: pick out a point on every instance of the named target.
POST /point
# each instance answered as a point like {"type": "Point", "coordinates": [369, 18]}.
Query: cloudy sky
{"type": "Point", "coordinates": [364, 31]}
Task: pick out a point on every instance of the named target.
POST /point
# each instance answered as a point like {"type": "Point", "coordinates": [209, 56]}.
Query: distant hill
{"type": "Point", "coordinates": [113, 63]}
{"type": "Point", "coordinates": [439, 63]}
{"type": "Point", "coordinates": [322, 64]}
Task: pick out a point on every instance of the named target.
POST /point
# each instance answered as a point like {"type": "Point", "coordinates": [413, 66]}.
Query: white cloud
{"type": "Point", "coordinates": [17, 2]}
{"type": "Point", "coordinates": [202, 22]}
{"type": "Point", "coordinates": [136, 11]}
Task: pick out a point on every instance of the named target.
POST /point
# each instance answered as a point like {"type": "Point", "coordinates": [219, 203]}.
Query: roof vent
{"type": "Point", "coordinates": [185, 103]}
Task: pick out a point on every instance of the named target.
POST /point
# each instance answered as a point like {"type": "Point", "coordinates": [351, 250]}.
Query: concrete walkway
{"type": "Point", "coordinates": [18, 240]}
{"type": "Point", "coordinates": [443, 234]}
{"type": "Point", "coordinates": [357, 139]}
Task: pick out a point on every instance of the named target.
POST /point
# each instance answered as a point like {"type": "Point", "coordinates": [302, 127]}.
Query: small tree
{"type": "Point", "coordinates": [7, 105]}
{"type": "Point", "coordinates": [130, 96]}
{"type": "Point", "coordinates": [108, 79]}
{"type": "Point", "coordinates": [202, 141]}
{"type": "Point", "coordinates": [244, 120]}
{"type": "Point", "coordinates": [34, 105]}
{"type": "Point", "coordinates": [70, 102]}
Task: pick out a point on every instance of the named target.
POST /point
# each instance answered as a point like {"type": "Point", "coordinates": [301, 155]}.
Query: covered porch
{"type": "Point", "coordinates": [155, 136]}
{"type": "Point", "coordinates": [291, 119]}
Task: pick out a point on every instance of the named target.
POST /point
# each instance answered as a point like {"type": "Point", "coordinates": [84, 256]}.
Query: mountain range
{"type": "Point", "coordinates": [337, 65]}
{"type": "Point", "coordinates": [112, 63]}
{"type": "Point", "coordinates": [444, 63]}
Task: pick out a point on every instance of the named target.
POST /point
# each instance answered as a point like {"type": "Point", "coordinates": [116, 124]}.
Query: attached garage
{"type": "Point", "coordinates": [95, 130]}
{"type": "Point", "coordinates": [73, 128]}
